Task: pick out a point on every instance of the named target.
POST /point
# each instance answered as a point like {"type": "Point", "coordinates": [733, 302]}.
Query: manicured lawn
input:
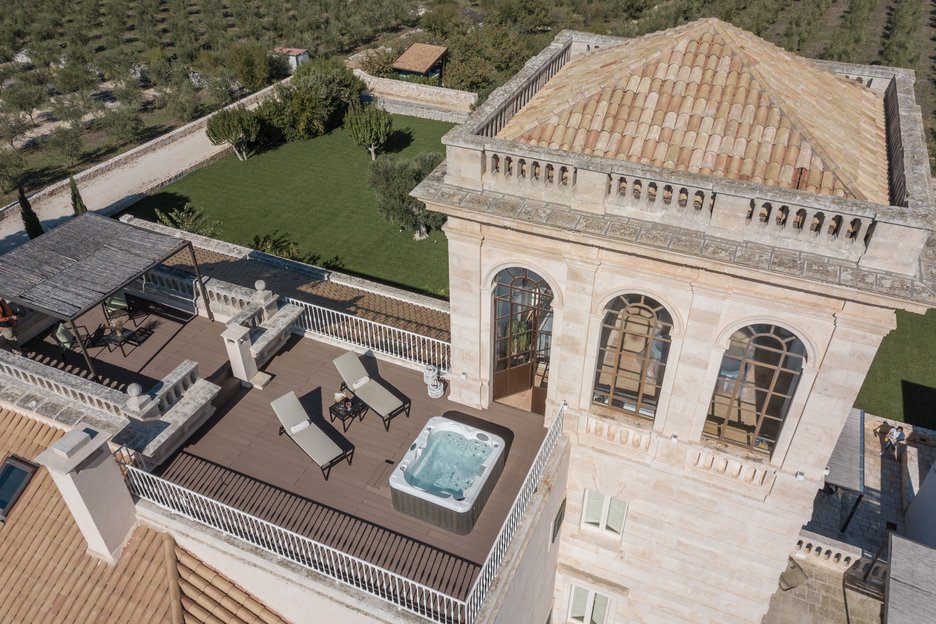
{"type": "Point", "coordinates": [901, 384]}
{"type": "Point", "coordinates": [316, 191]}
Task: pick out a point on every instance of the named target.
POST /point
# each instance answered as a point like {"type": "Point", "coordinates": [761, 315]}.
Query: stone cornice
{"type": "Point", "coordinates": [835, 277]}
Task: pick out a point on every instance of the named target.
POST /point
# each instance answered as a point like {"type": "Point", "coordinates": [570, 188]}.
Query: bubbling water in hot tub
{"type": "Point", "coordinates": [449, 464]}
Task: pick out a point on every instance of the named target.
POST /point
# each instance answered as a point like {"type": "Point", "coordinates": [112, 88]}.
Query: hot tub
{"type": "Point", "coordinates": [447, 474]}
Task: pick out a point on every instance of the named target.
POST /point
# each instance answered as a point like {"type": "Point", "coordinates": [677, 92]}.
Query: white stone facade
{"type": "Point", "coordinates": [708, 526]}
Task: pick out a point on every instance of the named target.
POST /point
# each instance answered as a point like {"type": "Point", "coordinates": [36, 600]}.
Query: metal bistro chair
{"type": "Point", "coordinates": [117, 306]}
{"type": "Point", "coordinates": [68, 341]}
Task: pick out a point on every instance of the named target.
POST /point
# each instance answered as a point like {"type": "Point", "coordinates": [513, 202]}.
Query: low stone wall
{"type": "Point", "coordinates": [131, 156]}
{"type": "Point", "coordinates": [412, 98]}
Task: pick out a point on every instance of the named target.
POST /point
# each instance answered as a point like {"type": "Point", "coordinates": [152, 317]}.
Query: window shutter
{"type": "Point", "coordinates": [599, 610]}
{"type": "Point", "coordinates": [593, 507]}
{"type": "Point", "coordinates": [617, 510]}
{"type": "Point", "coordinates": [579, 604]}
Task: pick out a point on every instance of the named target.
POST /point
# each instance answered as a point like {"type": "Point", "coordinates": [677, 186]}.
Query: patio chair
{"type": "Point", "coordinates": [295, 422]}
{"type": "Point", "coordinates": [116, 306]}
{"type": "Point", "coordinates": [380, 400]}
{"type": "Point", "coordinates": [67, 341]}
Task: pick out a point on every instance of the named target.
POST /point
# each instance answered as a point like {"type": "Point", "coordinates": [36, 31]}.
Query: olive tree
{"type": "Point", "coordinates": [369, 126]}
{"type": "Point", "coordinates": [392, 180]}
{"type": "Point", "coordinates": [238, 127]}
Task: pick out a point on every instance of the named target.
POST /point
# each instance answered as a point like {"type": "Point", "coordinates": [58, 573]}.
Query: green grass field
{"type": "Point", "coordinates": [317, 192]}
{"type": "Point", "coordinates": [901, 384]}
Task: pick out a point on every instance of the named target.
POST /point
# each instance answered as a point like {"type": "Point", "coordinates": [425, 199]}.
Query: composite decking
{"type": "Point", "coordinates": [238, 457]}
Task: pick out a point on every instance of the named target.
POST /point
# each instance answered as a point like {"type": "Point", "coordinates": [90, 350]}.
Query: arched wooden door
{"type": "Point", "coordinates": [522, 338]}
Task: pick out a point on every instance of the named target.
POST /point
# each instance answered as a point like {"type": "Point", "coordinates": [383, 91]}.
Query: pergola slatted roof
{"type": "Point", "coordinates": [69, 270]}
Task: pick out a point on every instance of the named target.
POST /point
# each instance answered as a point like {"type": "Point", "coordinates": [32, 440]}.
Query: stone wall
{"type": "Point", "coordinates": [709, 527]}
{"type": "Point", "coordinates": [418, 100]}
{"type": "Point", "coordinates": [129, 157]}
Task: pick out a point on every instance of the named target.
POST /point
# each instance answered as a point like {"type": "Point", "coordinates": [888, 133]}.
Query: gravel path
{"type": "Point", "coordinates": [113, 186]}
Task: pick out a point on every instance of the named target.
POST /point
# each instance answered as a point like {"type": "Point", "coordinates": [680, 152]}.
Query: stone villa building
{"type": "Point", "coordinates": [697, 241]}
{"type": "Point", "coordinates": [672, 260]}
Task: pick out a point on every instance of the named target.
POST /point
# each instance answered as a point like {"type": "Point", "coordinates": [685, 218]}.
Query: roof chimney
{"type": "Point", "coordinates": [90, 482]}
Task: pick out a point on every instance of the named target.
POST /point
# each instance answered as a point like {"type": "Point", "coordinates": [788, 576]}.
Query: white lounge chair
{"type": "Point", "coordinates": [380, 400]}
{"type": "Point", "coordinates": [294, 421]}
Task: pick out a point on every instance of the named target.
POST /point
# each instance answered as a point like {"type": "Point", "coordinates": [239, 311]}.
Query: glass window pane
{"type": "Point", "coordinates": [594, 504]}
{"type": "Point", "coordinates": [599, 609]}
{"type": "Point", "coordinates": [617, 510]}
{"type": "Point", "coordinates": [578, 604]}
{"type": "Point", "coordinates": [11, 478]}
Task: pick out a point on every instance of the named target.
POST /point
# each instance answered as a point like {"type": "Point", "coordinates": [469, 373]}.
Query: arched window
{"type": "Point", "coordinates": [756, 382]}
{"type": "Point", "coordinates": [635, 339]}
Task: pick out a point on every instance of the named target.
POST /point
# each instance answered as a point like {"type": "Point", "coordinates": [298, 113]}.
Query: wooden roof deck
{"type": "Point", "coordinates": [168, 339]}
{"type": "Point", "coordinates": [239, 458]}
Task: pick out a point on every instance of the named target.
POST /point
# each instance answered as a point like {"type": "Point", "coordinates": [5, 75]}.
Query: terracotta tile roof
{"type": "Point", "coordinates": [419, 58]}
{"type": "Point", "coordinates": [713, 99]}
{"type": "Point", "coordinates": [47, 576]}
{"type": "Point", "coordinates": [289, 51]}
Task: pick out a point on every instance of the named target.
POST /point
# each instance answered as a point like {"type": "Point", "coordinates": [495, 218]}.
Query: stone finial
{"type": "Point", "coordinates": [260, 285]}
{"type": "Point", "coordinates": [134, 390]}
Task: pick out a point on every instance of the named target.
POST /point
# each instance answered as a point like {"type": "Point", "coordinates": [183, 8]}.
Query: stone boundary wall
{"type": "Point", "coordinates": [418, 95]}
{"type": "Point", "coordinates": [314, 272]}
{"type": "Point", "coordinates": [134, 154]}
{"type": "Point", "coordinates": [411, 109]}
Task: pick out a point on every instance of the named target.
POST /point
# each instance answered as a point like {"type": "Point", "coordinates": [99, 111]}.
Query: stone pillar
{"type": "Point", "coordinates": [237, 344]}
{"type": "Point", "coordinates": [266, 299]}
{"type": "Point", "coordinates": [468, 373]}
{"type": "Point", "coordinates": [87, 476]}
{"type": "Point", "coordinates": [695, 366]}
{"type": "Point", "coordinates": [570, 337]}
{"type": "Point", "coordinates": [858, 332]}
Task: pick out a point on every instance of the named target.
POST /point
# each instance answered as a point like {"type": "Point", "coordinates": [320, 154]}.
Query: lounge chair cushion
{"type": "Point", "coordinates": [63, 335]}
{"type": "Point", "coordinates": [379, 398]}
{"type": "Point", "coordinates": [299, 427]}
{"type": "Point", "coordinates": [359, 383]}
{"type": "Point", "coordinates": [310, 439]}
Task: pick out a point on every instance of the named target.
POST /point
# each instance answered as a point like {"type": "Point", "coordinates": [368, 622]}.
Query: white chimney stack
{"type": "Point", "coordinates": [93, 489]}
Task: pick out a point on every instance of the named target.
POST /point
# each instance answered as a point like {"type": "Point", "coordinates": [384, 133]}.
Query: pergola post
{"type": "Point", "coordinates": [84, 351]}
{"type": "Point", "coordinates": [201, 285]}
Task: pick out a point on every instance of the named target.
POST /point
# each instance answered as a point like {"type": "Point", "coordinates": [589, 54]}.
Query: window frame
{"type": "Point", "coordinates": [591, 597]}
{"type": "Point", "coordinates": [603, 523]}
{"type": "Point", "coordinates": [727, 392]}
{"type": "Point", "coordinates": [23, 464]}
{"type": "Point", "coordinates": [620, 314]}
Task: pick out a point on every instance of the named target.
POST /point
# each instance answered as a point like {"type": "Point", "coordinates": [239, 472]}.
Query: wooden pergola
{"type": "Point", "coordinates": [69, 270]}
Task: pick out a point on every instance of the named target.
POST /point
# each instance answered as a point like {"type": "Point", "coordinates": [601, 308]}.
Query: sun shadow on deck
{"type": "Point", "coordinates": [327, 525]}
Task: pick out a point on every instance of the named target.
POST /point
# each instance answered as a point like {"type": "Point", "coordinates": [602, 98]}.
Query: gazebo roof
{"type": "Point", "coordinates": [419, 58]}
{"type": "Point", "coordinates": [68, 270]}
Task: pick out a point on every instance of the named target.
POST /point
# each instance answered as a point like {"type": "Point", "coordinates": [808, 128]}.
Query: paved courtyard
{"type": "Point", "coordinates": [890, 481]}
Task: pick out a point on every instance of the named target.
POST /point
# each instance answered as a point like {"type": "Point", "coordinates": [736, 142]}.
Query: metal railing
{"type": "Point", "coordinates": [492, 564]}
{"type": "Point", "coordinates": [377, 337]}
{"type": "Point", "coordinates": [399, 590]}
{"type": "Point", "coordinates": [405, 593]}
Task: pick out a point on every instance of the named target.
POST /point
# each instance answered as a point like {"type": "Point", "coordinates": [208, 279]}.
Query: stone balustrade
{"type": "Point", "coordinates": [629, 195]}
{"type": "Point", "coordinates": [531, 177]}
{"type": "Point", "coordinates": [228, 301]}
{"type": "Point", "coordinates": [166, 286]}
{"type": "Point", "coordinates": [83, 392]}
{"type": "Point", "coordinates": [173, 386]}
{"type": "Point", "coordinates": [269, 336]}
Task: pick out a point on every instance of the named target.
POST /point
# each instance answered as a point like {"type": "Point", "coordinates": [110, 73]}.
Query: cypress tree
{"type": "Point", "coordinates": [30, 221]}
{"type": "Point", "coordinates": [78, 205]}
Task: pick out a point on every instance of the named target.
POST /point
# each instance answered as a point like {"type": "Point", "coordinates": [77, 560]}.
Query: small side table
{"type": "Point", "coordinates": [346, 411]}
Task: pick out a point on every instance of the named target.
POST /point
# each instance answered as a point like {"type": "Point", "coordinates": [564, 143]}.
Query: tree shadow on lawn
{"type": "Point", "coordinates": [399, 140]}
{"type": "Point", "coordinates": [919, 404]}
{"type": "Point", "coordinates": [164, 201]}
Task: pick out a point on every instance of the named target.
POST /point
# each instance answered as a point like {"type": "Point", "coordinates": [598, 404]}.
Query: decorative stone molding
{"type": "Point", "coordinates": [633, 440]}
{"type": "Point", "coordinates": [826, 551]}
{"type": "Point", "coordinates": [744, 476]}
